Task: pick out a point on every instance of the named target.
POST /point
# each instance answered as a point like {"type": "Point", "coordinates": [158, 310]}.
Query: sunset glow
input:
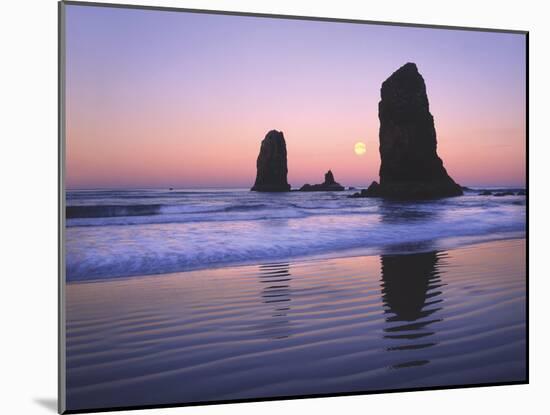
{"type": "Point", "coordinates": [167, 99]}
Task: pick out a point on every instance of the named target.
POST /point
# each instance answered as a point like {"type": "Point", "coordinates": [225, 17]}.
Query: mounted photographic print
{"type": "Point", "coordinates": [261, 207]}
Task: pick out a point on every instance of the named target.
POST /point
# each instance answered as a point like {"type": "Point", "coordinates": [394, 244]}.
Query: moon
{"type": "Point", "coordinates": [360, 148]}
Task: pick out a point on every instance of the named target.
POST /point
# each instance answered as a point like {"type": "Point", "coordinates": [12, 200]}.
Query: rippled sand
{"type": "Point", "coordinates": [306, 327]}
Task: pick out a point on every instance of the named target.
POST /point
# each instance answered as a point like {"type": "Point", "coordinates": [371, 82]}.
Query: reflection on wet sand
{"type": "Point", "coordinates": [411, 289]}
{"type": "Point", "coordinates": [356, 323]}
{"type": "Point", "coordinates": [275, 280]}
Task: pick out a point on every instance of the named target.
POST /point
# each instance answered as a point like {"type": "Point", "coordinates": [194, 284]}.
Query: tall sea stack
{"type": "Point", "coordinates": [271, 166]}
{"type": "Point", "coordinates": [410, 167]}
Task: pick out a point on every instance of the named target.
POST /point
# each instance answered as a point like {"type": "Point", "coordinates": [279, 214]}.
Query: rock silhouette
{"type": "Point", "coordinates": [410, 167]}
{"type": "Point", "coordinates": [271, 165]}
{"type": "Point", "coordinates": [368, 192]}
{"type": "Point", "coordinates": [328, 185]}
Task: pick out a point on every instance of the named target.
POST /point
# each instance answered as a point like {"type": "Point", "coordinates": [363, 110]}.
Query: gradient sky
{"type": "Point", "coordinates": [158, 99]}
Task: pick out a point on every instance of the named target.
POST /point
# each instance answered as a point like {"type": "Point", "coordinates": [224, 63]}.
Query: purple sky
{"type": "Point", "coordinates": [159, 98]}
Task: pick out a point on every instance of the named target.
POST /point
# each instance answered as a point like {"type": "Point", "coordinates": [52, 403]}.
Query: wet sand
{"type": "Point", "coordinates": [362, 323]}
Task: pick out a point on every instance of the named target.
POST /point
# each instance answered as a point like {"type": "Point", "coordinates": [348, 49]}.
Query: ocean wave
{"type": "Point", "coordinates": [107, 211]}
{"type": "Point", "coordinates": [108, 237]}
{"type": "Point", "coordinates": [95, 253]}
{"type": "Point", "coordinates": [222, 210]}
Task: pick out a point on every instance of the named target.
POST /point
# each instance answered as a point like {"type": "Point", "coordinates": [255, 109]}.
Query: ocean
{"type": "Point", "coordinates": [121, 233]}
{"type": "Point", "coordinates": [189, 296]}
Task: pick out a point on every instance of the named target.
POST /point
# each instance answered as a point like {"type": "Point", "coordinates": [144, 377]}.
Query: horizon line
{"type": "Point", "coordinates": [356, 187]}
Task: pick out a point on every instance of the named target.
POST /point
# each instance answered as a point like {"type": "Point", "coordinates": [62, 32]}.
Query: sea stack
{"type": "Point", "coordinates": [329, 184]}
{"type": "Point", "coordinates": [410, 167]}
{"type": "Point", "coordinates": [271, 166]}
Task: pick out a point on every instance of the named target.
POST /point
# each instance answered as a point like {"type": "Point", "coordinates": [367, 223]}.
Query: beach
{"type": "Point", "coordinates": [404, 316]}
{"type": "Point", "coordinates": [275, 208]}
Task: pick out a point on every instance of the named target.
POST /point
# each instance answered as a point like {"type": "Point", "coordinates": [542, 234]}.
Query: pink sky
{"type": "Point", "coordinates": [176, 99]}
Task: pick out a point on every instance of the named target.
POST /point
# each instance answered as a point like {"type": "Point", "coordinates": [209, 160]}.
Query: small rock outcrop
{"type": "Point", "coordinates": [329, 184]}
{"type": "Point", "coordinates": [271, 165]}
{"type": "Point", "coordinates": [410, 167]}
{"type": "Point", "coordinates": [368, 192]}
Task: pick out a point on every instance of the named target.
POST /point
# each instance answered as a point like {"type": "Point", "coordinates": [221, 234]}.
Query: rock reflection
{"type": "Point", "coordinates": [396, 212]}
{"type": "Point", "coordinates": [411, 292]}
{"type": "Point", "coordinates": [276, 292]}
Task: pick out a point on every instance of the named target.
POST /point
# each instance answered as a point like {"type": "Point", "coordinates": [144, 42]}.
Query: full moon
{"type": "Point", "coordinates": [360, 148]}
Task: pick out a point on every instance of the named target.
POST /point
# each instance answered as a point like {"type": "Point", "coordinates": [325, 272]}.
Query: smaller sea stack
{"type": "Point", "coordinates": [329, 185]}
{"type": "Point", "coordinates": [271, 165]}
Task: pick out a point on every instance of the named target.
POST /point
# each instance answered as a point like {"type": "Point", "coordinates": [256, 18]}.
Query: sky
{"type": "Point", "coordinates": [173, 99]}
